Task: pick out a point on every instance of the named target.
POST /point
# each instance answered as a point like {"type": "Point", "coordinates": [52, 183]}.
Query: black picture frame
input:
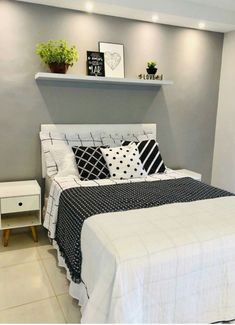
{"type": "Point", "coordinates": [95, 64]}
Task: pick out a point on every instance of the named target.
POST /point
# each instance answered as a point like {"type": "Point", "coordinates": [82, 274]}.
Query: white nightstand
{"type": "Point", "coordinates": [20, 206]}
{"type": "Point", "coordinates": [189, 173]}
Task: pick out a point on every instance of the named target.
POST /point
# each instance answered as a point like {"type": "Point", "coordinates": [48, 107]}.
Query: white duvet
{"type": "Point", "coordinates": [169, 264]}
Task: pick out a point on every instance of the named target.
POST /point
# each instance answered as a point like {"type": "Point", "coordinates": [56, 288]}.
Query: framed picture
{"type": "Point", "coordinates": [95, 64]}
{"type": "Point", "coordinates": [113, 58]}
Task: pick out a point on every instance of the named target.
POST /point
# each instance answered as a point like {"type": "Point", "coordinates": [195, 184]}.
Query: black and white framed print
{"type": "Point", "coordinates": [95, 64]}
{"type": "Point", "coordinates": [114, 59]}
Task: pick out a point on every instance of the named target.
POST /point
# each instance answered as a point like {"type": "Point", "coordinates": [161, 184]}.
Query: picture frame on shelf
{"type": "Point", "coordinates": [113, 58]}
{"type": "Point", "coordinates": [95, 64]}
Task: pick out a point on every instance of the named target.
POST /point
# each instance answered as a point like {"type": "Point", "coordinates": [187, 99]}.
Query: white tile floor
{"type": "Point", "coordinates": [33, 288]}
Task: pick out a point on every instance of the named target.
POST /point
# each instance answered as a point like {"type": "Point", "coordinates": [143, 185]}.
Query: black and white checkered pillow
{"type": "Point", "coordinates": [55, 140]}
{"type": "Point", "coordinates": [150, 156]}
{"type": "Point", "coordinates": [50, 140]}
{"type": "Point", "coordinates": [91, 163]}
{"type": "Point", "coordinates": [116, 139]}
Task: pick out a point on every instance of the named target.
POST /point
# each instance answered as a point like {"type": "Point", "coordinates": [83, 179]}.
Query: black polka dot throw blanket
{"type": "Point", "coordinates": [79, 203]}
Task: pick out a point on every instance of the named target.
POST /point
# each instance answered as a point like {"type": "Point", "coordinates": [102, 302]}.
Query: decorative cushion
{"type": "Point", "coordinates": [90, 163]}
{"type": "Point", "coordinates": [50, 140]}
{"type": "Point", "coordinates": [123, 162]}
{"type": "Point", "coordinates": [64, 141]}
{"type": "Point", "coordinates": [65, 161]}
{"type": "Point", "coordinates": [150, 156]}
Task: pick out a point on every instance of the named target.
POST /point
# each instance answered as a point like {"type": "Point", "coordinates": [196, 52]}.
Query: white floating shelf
{"type": "Point", "coordinates": [100, 80]}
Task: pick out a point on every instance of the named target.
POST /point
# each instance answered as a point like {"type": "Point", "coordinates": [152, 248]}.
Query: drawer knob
{"type": "Point", "coordinates": [20, 204]}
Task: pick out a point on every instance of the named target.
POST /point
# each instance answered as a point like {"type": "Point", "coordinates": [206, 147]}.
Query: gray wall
{"type": "Point", "coordinates": [185, 112]}
{"type": "Point", "coordinates": [224, 155]}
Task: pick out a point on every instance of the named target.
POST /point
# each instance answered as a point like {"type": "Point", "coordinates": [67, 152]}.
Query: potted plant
{"type": "Point", "coordinates": [151, 69]}
{"type": "Point", "coordinates": [58, 55]}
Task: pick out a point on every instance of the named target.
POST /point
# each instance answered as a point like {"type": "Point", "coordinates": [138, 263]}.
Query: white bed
{"type": "Point", "coordinates": [169, 264]}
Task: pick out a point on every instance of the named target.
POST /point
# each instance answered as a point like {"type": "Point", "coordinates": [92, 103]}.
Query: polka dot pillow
{"type": "Point", "coordinates": [124, 162]}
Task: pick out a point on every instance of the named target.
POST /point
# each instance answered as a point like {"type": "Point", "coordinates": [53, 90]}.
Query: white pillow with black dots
{"type": "Point", "coordinates": [124, 162]}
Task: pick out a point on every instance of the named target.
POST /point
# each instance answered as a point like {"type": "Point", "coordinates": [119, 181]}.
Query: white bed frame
{"type": "Point", "coordinates": [110, 128]}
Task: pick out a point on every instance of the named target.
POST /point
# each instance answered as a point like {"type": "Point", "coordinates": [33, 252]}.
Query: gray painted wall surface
{"type": "Point", "coordinates": [185, 113]}
{"type": "Point", "coordinates": [224, 154]}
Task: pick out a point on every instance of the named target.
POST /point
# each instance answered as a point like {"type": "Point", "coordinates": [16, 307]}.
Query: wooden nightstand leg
{"type": "Point", "coordinates": [34, 233]}
{"type": "Point", "coordinates": [6, 235]}
{"type": "Point", "coordinates": [3, 236]}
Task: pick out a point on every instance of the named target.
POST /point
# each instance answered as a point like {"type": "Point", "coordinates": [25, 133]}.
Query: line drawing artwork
{"type": "Point", "coordinates": [112, 59]}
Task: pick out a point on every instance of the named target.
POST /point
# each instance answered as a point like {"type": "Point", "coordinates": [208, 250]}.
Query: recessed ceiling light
{"type": "Point", "coordinates": [202, 25]}
{"type": "Point", "coordinates": [89, 6]}
{"type": "Point", "coordinates": [155, 18]}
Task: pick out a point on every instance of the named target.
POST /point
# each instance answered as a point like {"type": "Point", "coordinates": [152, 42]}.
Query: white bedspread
{"type": "Point", "coordinates": [169, 264]}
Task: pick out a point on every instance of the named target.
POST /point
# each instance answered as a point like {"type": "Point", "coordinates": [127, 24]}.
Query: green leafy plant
{"type": "Point", "coordinates": [151, 64]}
{"type": "Point", "coordinates": [57, 51]}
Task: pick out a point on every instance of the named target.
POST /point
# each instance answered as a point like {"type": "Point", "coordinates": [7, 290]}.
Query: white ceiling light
{"type": "Point", "coordinates": [89, 6]}
{"type": "Point", "coordinates": [202, 25]}
{"type": "Point", "coordinates": [155, 18]}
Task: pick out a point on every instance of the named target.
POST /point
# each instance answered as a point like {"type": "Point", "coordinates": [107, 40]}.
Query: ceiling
{"type": "Point", "coordinates": [223, 4]}
{"type": "Point", "coordinates": [212, 15]}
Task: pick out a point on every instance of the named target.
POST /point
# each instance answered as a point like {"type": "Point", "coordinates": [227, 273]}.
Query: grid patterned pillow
{"type": "Point", "coordinates": [51, 140]}
{"type": "Point", "coordinates": [116, 139]}
{"type": "Point", "coordinates": [150, 156]}
{"type": "Point", "coordinates": [90, 163]}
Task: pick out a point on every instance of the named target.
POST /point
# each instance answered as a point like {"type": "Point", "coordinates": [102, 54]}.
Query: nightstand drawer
{"type": "Point", "coordinates": [20, 203]}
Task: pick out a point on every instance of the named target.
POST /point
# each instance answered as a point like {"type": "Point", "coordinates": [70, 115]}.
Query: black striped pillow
{"type": "Point", "coordinates": [150, 156]}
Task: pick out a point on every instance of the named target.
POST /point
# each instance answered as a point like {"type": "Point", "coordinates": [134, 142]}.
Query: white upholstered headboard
{"type": "Point", "coordinates": [109, 128]}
